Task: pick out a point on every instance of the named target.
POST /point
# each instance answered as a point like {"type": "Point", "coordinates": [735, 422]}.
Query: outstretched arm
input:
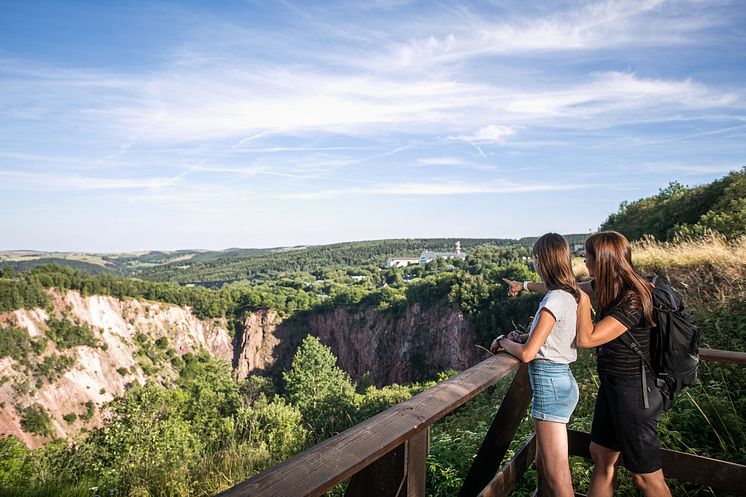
{"type": "Point", "coordinates": [527, 351]}
{"type": "Point", "coordinates": [515, 287]}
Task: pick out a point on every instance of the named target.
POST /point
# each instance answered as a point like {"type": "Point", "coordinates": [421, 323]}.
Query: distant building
{"type": "Point", "coordinates": [400, 262]}
{"type": "Point", "coordinates": [579, 249]}
{"type": "Point", "coordinates": [428, 256]}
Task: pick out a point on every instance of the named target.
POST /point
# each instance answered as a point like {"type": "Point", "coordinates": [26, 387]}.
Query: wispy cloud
{"type": "Point", "coordinates": [440, 188]}
{"type": "Point", "coordinates": [587, 26]}
{"type": "Point", "coordinates": [22, 180]}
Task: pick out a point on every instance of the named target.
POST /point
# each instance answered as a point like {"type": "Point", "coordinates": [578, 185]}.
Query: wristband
{"type": "Point", "coordinates": [525, 286]}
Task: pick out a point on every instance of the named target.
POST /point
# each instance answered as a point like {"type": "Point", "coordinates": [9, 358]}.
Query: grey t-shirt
{"type": "Point", "coordinates": [560, 345]}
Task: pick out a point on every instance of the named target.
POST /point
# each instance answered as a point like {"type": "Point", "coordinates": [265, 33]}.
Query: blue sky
{"type": "Point", "coordinates": [136, 125]}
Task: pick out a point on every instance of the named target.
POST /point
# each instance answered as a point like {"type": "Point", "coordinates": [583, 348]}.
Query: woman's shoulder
{"type": "Point", "coordinates": [559, 296]}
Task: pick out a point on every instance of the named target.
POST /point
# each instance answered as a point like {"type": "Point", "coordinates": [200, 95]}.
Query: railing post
{"type": "Point", "coordinates": [501, 433]}
{"type": "Point", "coordinates": [417, 450]}
{"type": "Point", "coordinates": [400, 473]}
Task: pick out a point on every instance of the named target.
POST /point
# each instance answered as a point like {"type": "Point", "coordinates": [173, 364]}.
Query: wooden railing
{"type": "Point", "coordinates": [386, 455]}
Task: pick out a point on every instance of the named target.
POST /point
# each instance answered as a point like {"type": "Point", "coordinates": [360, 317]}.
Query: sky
{"type": "Point", "coordinates": [135, 125]}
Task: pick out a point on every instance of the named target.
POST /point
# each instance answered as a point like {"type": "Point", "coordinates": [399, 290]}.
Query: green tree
{"type": "Point", "coordinates": [323, 392]}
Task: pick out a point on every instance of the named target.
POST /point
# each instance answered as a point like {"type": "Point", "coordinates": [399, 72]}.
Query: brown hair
{"type": "Point", "coordinates": [611, 256]}
{"type": "Point", "coordinates": [553, 255]}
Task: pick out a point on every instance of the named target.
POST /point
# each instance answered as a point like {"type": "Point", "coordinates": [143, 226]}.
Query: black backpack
{"type": "Point", "coordinates": [674, 344]}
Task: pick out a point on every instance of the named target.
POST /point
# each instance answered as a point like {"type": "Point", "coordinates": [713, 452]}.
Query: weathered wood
{"type": "Point", "coordinates": [700, 470]}
{"type": "Point", "coordinates": [504, 482]}
{"type": "Point", "coordinates": [418, 447]}
{"type": "Point", "coordinates": [579, 443]}
{"type": "Point", "coordinates": [400, 473]}
{"type": "Point", "coordinates": [316, 470]}
{"type": "Point", "coordinates": [383, 478]}
{"type": "Point", "coordinates": [722, 356]}
{"type": "Point", "coordinates": [501, 433]}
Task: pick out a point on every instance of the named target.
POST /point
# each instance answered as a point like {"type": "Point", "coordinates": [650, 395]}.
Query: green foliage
{"type": "Point", "coordinates": [681, 211]}
{"type": "Point", "coordinates": [13, 457]}
{"type": "Point", "coordinates": [323, 392]}
{"type": "Point", "coordinates": [34, 419]}
{"type": "Point", "coordinates": [146, 445]}
{"type": "Point", "coordinates": [54, 366]}
{"type": "Point", "coordinates": [24, 293]}
{"type": "Point", "coordinates": [67, 334]}
{"type": "Point", "coordinates": [15, 342]}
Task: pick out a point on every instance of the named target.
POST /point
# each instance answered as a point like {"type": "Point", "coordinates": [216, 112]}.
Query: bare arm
{"type": "Point", "coordinates": [604, 331]}
{"type": "Point", "coordinates": [515, 287]}
{"type": "Point", "coordinates": [526, 352]}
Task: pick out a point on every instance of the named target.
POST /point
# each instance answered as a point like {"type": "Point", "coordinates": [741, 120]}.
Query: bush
{"type": "Point", "coordinates": [67, 334]}
{"type": "Point", "coordinates": [34, 419]}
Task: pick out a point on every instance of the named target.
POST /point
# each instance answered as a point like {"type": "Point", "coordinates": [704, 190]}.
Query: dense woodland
{"type": "Point", "coordinates": [204, 431]}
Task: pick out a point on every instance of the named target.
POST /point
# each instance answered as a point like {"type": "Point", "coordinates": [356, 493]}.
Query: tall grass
{"type": "Point", "coordinates": [706, 271]}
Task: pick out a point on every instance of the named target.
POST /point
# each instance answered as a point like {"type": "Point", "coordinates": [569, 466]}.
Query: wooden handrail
{"type": "Point", "coordinates": [318, 469]}
{"type": "Point", "coordinates": [722, 356]}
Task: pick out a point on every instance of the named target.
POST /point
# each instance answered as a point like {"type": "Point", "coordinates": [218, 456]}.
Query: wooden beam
{"type": "Point", "coordinates": [504, 482]}
{"type": "Point", "coordinates": [418, 447]}
{"type": "Point", "coordinates": [722, 356]}
{"type": "Point", "coordinates": [318, 469]}
{"type": "Point", "coordinates": [700, 470]}
{"type": "Point", "coordinates": [383, 478]}
{"type": "Point", "coordinates": [497, 440]}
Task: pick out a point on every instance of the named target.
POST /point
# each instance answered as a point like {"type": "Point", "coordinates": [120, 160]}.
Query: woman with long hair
{"type": "Point", "coordinates": [549, 348]}
{"type": "Point", "coordinates": [624, 423]}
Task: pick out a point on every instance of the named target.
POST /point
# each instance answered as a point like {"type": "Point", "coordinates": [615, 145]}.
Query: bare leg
{"type": "Point", "coordinates": [603, 478]}
{"type": "Point", "coordinates": [652, 484]}
{"type": "Point", "coordinates": [551, 440]}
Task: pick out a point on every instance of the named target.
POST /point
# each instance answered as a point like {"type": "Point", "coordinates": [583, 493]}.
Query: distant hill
{"type": "Point", "coordinates": [217, 267]}
{"type": "Point", "coordinates": [686, 211]}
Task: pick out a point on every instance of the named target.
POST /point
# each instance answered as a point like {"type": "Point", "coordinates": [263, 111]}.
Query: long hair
{"type": "Point", "coordinates": [553, 255]}
{"type": "Point", "coordinates": [611, 256]}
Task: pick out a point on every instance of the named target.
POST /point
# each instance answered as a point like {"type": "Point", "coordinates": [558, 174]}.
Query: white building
{"type": "Point", "coordinates": [428, 256]}
{"type": "Point", "coordinates": [579, 249]}
{"type": "Point", "coordinates": [399, 262]}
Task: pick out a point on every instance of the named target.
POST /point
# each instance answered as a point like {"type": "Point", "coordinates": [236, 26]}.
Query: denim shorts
{"type": "Point", "coordinates": [555, 391]}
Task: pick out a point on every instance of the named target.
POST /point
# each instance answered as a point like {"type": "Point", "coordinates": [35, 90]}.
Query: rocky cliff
{"type": "Point", "coordinates": [135, 341]}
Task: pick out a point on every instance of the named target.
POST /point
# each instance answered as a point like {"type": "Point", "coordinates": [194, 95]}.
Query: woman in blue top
{"type": "Point", "coordinates": [549, 348]}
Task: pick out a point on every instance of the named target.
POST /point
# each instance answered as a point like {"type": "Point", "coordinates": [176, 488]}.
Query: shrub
{"type": "Point", "coordinates": [34, 419]}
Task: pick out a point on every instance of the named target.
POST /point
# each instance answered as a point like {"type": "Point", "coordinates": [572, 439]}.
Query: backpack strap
{"type": "Point", "coordinates": [630, 342]}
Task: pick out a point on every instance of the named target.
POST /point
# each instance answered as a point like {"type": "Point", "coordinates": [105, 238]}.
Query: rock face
{"type": "Point", "coordinates": [100, 373]}
{"type": "Point", "coordinates": [397, 349]}
{"type": "Point", "coordinates": [389, 347]}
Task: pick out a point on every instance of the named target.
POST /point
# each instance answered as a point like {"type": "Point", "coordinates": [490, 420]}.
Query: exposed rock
{"type": "Point", "coordinates": [98, 373]}
{"type": "Point", "coordinates": [391, 347]}
{"type": "Point", "coordinates": [397, 349]}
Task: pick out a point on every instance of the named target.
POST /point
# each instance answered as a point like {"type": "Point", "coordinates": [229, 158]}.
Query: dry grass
{"type": "Point", "coordinates": [705, 271]}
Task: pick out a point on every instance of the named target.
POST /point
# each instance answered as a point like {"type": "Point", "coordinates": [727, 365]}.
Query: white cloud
{"type": "Point", "coordinates": [440, 188]}
{"type": "Point", "coordinates": [441, 161]}
{"type": "Point", "coordinates": [495, 134]}
{"type": "Point", "coordinates": [22, 180]}
{"type": "Point", "coordinates": [588, 26]}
